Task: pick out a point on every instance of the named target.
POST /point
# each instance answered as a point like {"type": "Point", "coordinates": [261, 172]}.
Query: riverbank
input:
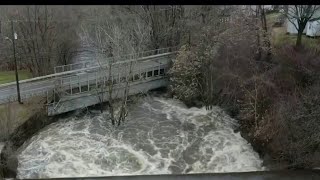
{"type": "Point", "coordinates": [21, 122]}
{"type": "Point", "coordinates": [261, 149]}
{"type": "Point", "coordinates": [13, 114]}
{"type": "Point", "coordinates": [17, 138]}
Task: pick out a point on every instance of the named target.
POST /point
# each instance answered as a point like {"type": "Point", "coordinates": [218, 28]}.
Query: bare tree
{"type": "Point", "coordinates": [264, 26]}
{"type": "Point", "coordinates": [164, 23]}
{"type": "Point", "coordinates": [46, 36]}
{"type": "Point", "coordinates": [67, 34]}
{"type": "Point", "coordinates": [36, 29]}
{"type": "Point", "coordinates": [299, 15]}
{"type": "Point", "coordinates": [111, 40]}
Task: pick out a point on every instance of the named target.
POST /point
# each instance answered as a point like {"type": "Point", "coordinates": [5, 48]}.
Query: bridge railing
{"type": "Point", "coordinates": [143, 54]}
{"type": "Point", "coordinates": [83, 65]}
{"type": "Point", "coordinates": [74, 85]}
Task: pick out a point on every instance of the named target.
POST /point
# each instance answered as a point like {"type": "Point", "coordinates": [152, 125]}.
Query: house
{"type": "Point", "coordinates": [312, 27]}
{"type": "Point", "coordinates": [268, 7]}
{"type": "Point", "coordinates": [291, 29]}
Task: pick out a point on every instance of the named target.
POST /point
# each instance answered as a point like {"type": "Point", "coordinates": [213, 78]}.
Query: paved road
{"type": "Point", "coordinates": [26, 89]}
{"type": "Point", "coordinates": [40, 87]}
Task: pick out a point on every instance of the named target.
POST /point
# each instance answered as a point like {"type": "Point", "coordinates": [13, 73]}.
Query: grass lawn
{"type": "Point", "coordinates": [9, 76]}
{"type": "Point", "coordinates": [280, 38]}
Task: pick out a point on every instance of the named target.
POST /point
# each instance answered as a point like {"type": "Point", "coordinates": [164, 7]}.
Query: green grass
{"type": "Point", "coordinates": [280, 38]}
{"type": "Point", "coordinates": [9, 76]}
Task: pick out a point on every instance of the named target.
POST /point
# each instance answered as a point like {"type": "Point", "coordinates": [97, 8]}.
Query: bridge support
{"type": "Point", "coordinates": [91, 98]}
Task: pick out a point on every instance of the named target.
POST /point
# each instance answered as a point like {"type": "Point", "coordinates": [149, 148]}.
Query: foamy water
{"type": "Point", "coordinates": [160, 136]}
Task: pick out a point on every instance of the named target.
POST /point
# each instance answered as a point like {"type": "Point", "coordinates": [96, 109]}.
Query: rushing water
{"type": "Point", "coordinates": [160, 136]}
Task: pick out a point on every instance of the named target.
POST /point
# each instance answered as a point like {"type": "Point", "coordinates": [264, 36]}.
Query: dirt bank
{"type": "Point", "coordinates": [13, 114]}
{"type": "Point", "coordinates": [260, 148]}
{"type": "Point", "coordinates": [22, 121]}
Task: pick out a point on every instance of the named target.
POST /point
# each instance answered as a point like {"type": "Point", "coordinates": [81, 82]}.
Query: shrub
{"type": "Point", "coordinates": [290, 129]}
{"type": "Point", "coordinates": [184, 76]}
{"type": "Point", "coordinates": [276, 100]}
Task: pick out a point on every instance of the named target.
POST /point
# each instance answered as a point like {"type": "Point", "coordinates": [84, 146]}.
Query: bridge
{"type": "Point", "coordinates": [80, 85]}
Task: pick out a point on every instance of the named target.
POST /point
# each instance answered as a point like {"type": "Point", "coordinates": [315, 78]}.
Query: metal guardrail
{"type": "Point", "coordinates": [70, 83]}
{"type": "Point", "coordinates": [83, 65]}
{"type": "Point", "coordinates": [44, 90]}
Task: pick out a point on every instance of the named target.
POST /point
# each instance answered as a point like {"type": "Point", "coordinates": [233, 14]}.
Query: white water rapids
{"type": "Point", "coordinates": [160, 136]}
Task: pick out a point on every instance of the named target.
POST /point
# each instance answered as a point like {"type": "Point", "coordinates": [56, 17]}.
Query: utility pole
{"type": "Point", "coordinates": [14, 36]}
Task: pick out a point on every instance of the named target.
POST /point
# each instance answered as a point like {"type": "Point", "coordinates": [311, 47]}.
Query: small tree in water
{"type": "Point", "coordinates": [111, 41]}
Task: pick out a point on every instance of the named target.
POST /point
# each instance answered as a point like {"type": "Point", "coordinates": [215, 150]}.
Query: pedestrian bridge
{"type": "Point", "coordinates": [80, 85]}
{"type": "Point", "coordinates": [88, 88]}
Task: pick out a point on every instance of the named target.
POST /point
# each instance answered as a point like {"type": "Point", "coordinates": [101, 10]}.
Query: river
{"type": "Point", "coordinates": [160, 136]}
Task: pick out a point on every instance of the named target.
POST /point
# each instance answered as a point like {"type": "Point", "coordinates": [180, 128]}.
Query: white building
{"type": "Point", "coordinates": [291, 29]}
{"type": "Point", "coordinates": [268, 7]}
{"type": "Point", "coordinates": [312, 28]}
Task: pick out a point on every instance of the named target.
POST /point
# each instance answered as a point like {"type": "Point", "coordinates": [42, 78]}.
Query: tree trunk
{"type": "Point", "coordinates": [101, 99]}
{"type": "Point", "coordinates": [265, 32]}
{"type": "Point", "coordinates": [259, 53]}
{"type": "Point", "coordinates": [299, 38]}
{"type": "Point", "coordinates": [301, 27]}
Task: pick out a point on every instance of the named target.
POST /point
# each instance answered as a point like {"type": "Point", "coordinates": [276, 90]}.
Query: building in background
{"type": "Point", "coordinates": [312, 27]}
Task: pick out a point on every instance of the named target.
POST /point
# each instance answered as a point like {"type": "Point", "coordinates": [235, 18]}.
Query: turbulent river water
{"type": "Point", "coordinates": [160, 136]}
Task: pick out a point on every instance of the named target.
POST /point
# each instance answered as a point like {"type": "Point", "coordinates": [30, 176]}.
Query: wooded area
{"type": "Point", "coordinates": [272, 91]}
